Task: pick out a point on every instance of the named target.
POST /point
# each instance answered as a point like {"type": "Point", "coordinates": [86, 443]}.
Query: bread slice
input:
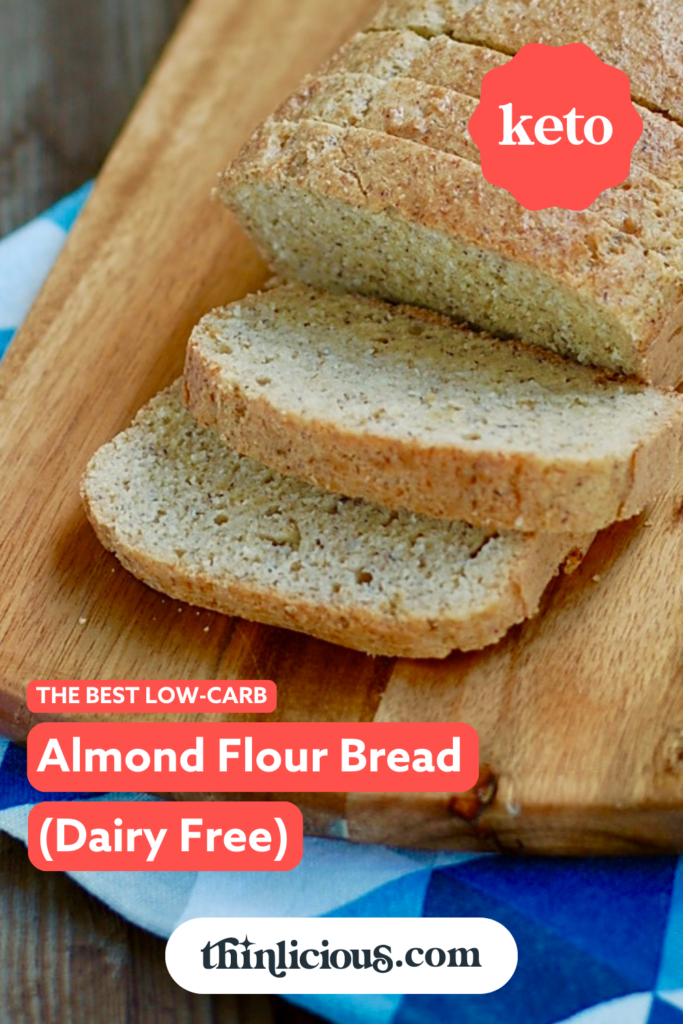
{"type": "Point", "coordinates": [403, 407]}
{"type": "Point", "coordinates": [644, 206]}
{"type": "Point", "coordinates": [350, 209]}
{"type": "Point", "coordinates": [445, 63]}
{"type": "Point", "coordinates": [204, 525]}
{"type": "Point", "coordinates": [643, 40]}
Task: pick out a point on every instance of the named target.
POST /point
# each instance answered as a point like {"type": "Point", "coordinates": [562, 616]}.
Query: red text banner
{"type": "Point", "coordinates": [144, 696]}
{"type": "Point", "coordinates": [96, 835]}
{"type": "Point", "coordinates": [273, 757]}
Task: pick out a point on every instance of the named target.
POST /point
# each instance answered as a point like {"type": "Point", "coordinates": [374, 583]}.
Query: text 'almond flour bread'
{"type": "Point", "coordinates": [202, 524]}
{"type": "Point", "coordinates": [404, 407]}
{"type": "Point", "coordinates": [355, 210]}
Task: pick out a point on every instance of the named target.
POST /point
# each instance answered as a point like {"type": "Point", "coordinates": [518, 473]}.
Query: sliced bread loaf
{"type": "Point", "coordinates": [204, 525]}
{"type": "Point", "coordinates": [645, 40]}
{"type": "Point", "coordinates": [403, 407]}
{"type": "Point", "coordinates": [644, 206]}
{"type": "Point", "coordinates": [354, 210]}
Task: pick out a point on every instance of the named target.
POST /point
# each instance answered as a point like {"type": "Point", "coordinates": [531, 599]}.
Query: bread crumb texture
{"type": "Point", "coordinates": [208, 526]}
{"type": "Point", "coordinates": [357, 210]}
{"type": "Point", "coordinates": [407, 408]}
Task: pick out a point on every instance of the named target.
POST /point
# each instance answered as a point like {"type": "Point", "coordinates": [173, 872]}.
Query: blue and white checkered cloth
{"type": "Point", "coordinates": [600, 941]}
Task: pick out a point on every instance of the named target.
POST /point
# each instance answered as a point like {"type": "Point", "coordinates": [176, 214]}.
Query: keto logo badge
{"type": "Point", "coordinates": [555, 126]}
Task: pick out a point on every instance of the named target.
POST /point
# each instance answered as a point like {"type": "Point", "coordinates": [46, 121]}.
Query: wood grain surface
{"type": "Point", "coordinates": [580, 712]}
{"type": "Point", "coordinates": [70, 72]}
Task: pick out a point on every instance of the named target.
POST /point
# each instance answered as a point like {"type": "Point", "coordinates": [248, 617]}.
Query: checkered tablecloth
{"type": "Point", "coordinates": [600, 941]}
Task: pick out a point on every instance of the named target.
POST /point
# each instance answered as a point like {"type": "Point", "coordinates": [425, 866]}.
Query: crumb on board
{"type": "Point", "coordinates": [82, 621]}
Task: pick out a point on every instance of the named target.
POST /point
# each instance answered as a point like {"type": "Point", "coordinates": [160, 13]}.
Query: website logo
{"type": "Point", "coordinates": [355, 955]}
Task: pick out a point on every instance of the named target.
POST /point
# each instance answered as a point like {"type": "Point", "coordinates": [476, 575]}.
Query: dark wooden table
{"type": "Point", "coordinates": [70, 71]}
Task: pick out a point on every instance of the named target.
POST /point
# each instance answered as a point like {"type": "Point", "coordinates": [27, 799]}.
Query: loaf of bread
{"type": "Point", "coordinates": [202, 524]}
{"type": "Point", "coordinates": [473, 467]}
{"type": "Point", "coordinates": [645, 39]}
{"type": "Point", "coordinates": [405, 408]}
{"type": "Point", "coordinates": [353, 209]}
{"type": "Point", "coordinates": [563, 280]}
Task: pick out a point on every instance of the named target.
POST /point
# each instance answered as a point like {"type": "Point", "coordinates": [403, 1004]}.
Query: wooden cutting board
{"type": "Point", "coordinates": [579, 713]}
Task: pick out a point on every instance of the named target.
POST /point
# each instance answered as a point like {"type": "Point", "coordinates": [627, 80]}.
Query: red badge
{"type": "Point", "coordinates": [555, 126]}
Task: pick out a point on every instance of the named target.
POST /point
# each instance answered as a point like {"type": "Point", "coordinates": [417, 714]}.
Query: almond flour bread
{"type": "Point", "coordinates": [351, 209]}
{"type": "Point", "coordinates": [405, 408]}
{"type": "Point", "coordinates": [644, 206]}
{"type": "Point", "coordinates": [644, 39]}
{"type": "Point", "coordinates": [204, 525]}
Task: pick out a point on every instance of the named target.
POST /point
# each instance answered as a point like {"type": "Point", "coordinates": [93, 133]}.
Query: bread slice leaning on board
{"type": "Point", "coordinates": [205, 525]}
{"type": "Point", "coordinates": [406, 408]}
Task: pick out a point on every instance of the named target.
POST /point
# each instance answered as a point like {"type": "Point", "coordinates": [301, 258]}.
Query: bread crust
{"type": "Point", "coordinates": [644, 40]}
{"type": "Point", "coordinates": [511, 491]}
{"type": "Point", "coordinates": [442, 61]}
{"type": "Point", "coordinates": [388, 177]}
{"type": "Point", "coordinates": [645, 206]}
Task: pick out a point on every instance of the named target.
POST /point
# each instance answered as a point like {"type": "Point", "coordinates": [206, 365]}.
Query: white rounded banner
{"type": "Point", "coordinates": [287, 955]}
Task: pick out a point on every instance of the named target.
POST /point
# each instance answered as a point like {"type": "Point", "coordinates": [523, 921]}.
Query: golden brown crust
{"type": "Point", "coordinates": [579, 252]}
{"type": "Point", "coordinates": [645, 40]}
{"type": "Point", "coordinates": [446, 63]}
{"type": "Point", "coordinates": [486, 488]}
{"type": "Point", "coordinates": [388, 53]}
{"type": "Point", "coordinates": [432, 115]}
